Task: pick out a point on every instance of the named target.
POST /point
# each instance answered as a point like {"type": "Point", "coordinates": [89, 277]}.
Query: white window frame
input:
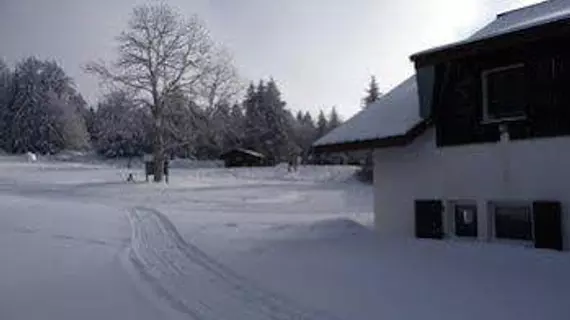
{"type": "Point", "coordinates": [487, 118]}
{"type": "Point", "coordinates": [492, 206]}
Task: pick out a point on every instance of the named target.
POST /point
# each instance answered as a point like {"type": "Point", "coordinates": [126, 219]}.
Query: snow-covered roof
{"type": "Point", "coordinates": [246, 151]}
{"type": "Point", "coordinates": [394, 114]}
{"type": "Point", "coordinates": [515, 20]}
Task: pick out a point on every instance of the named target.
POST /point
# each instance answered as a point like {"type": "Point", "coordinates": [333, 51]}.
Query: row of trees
{"type": "Point", "coordinates": [271, 128]}
{"type": "Point", "coordinates": [171, 91]}
{"type": "Point", "coordinates": [41, 111]}
{"type": "Point", "coordinates": [261, 121]}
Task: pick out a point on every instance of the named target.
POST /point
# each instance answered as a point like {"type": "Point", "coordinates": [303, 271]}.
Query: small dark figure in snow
{"type": "Point", "coordinates": [130, 176]}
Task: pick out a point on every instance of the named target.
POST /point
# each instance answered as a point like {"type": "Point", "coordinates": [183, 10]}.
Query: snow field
{"type": "Point", "coordinates": [257, 243]}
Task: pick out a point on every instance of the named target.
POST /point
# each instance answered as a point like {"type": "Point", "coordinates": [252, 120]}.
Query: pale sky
{"type": "Point", "coordinates": [321, 52]}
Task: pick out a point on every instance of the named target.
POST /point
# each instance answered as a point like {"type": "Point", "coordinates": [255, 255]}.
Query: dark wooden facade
{"type": "Point", "coordinates": [243, 158]}
{"type": "Point", "coordinates": [533, 68]}
{"type": "Point", "coordinates": [457, 104]}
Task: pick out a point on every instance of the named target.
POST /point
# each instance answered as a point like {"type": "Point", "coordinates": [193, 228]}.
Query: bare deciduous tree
{"type": "Point", "coordinates": [221, 83]}
{"type": "Point", "coordinates": [160, 53]}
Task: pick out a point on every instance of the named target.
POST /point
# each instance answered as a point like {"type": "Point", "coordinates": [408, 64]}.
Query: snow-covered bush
{"type": "Point", "coordinates": [31, 157]}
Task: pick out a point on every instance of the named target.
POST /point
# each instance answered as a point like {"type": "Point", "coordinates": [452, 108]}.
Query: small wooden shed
{"type": "Point", "coordinates": [243, 158]}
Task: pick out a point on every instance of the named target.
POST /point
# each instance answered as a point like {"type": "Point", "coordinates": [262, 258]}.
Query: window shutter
{"type": "Point", "coordinates": [547, 225]}
{"type": "Point", "coordinates": [428, 219]}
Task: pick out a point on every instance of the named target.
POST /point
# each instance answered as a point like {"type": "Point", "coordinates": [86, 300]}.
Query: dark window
{"type": "Point", "coordinates": [429, 221]}
{"type": "Point", "coordinates": [504, 93]}
{"type": "Point", "coordinates": [513, 222]}
{"type": "Point", "coordinates": [466, 220]}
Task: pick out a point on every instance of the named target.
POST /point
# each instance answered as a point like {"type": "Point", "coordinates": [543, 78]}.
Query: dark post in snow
{"type": "Point", "coordinates": [151, 167]}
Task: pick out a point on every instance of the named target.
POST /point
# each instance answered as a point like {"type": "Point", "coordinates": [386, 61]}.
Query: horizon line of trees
{"type": "Point", "coordinates": [42, 112]}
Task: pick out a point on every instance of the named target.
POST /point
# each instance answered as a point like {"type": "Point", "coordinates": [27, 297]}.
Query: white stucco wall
{"type": "Point", "coordinates": [526, 170]}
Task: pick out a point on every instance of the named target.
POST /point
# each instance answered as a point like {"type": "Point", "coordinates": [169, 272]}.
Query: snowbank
{"type": "Point", "coordinates": [280, 173]}
{"type": "Point", "coordinates": [364, 277]}
{"type": "Point", "coordinates": [323, 229]}
{"type": "Point", "coordinates": [195, 164]}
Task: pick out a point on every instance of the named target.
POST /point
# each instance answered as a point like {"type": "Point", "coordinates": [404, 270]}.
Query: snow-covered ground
{"type": "Point", "coordinates": [77, 242]}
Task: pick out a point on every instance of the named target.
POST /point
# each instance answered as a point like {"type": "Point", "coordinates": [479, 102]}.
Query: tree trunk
{"type": "Point", "coordinates": [158, 152]}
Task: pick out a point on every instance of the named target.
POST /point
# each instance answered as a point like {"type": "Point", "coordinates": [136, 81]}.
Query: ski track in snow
{"type": "Point", "coordinates": [195, 283]}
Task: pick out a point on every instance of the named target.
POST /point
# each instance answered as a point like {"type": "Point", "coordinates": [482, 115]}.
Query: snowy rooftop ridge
{"type": "Point", "coordinates": [394, 114]}
{"type": "Point", "coordinates": [515, 20]}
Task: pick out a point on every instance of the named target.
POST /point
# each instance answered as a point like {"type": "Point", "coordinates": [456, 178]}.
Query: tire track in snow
{"type": "Point", "coordinates": [195, 283]}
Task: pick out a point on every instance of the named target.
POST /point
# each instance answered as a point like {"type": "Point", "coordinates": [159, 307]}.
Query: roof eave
{"type": "Point", "coordinates": [379, 143]}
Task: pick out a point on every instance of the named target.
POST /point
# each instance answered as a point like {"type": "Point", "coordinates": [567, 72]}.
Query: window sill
{"type": "Point", "coordinates": [503, 120]}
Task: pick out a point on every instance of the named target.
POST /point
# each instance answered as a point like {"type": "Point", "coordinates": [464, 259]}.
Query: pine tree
{"type": "Point", "coordinates": [334, 120]}
{"type": "Point", "coordinates": [308, 120]}
{"type": "Point", "coordinates": [236, 127]}
{"type": "Point", "coordinates": [237, 112]}
{"type": "Point", "coordinates": [254, 122]}
{"type": "Point", "coordinates": [6, 88]}
{"type": "Point", "coordinates": [299, 117]}
{"type": "Point", "coordinates": [372, 93]}
{"type": "Point", "coordinates": [89, 118]}
{"type": "Point", "coordinates": [220, 128]}
{"type": "Point", "coordinates": [44, 114]}
{"type": "Point", "coordinates": [275, 137]}
{"type": "Point", "coordinates": [322, 124]}
{"type": "Point", "coordinates": [118, 127]}
{"type": "Point", "coordinates": [307, 133]}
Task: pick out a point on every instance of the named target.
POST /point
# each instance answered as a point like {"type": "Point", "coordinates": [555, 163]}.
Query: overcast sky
{"type": "Point", "coordinates": [321, 52]}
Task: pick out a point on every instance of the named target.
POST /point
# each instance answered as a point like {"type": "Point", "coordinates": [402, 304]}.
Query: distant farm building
{"type": "Point", "coordinates": [243, 158]}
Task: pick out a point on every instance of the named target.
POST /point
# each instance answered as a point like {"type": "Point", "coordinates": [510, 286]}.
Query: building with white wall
{"type": "Point", "coordinates": [476, 145]}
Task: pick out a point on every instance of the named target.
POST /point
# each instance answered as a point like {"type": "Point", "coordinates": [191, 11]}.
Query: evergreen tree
{"type": "Point", "coordinates": [334, 119]}
{"type": "Point", "coordinates": [236, 113]}
{"type": "Point", "coordinates": [253, 117]}
{"type": "Point", "coordinates": [299, 117]}
{"type": "Point", "coordinates": [186, 125]}
{"type": "Point", "coordinates": [308, 120]}
{"type": "Point", "coordinates": [306, 133]}
{"type": "Point", "coordinates": [118, 127]}
{"type": "Point", "coordinates": [6, 88]}
{"type": "Point", "coordinates": [44, 114]}
{"type": "Point", "coordinates": [90, 117]}
{"type": "Point", "coordinates": [277, 125]}
{"type": "Point", "coordinates": [236, 127]}
{"type": "Point", "coordinates": [222, 135]}
{"type": "Point", "coordinates": [322, 124]}
{"type": "Point", "coordinates": [372, 93]}
{"type": "Point", "coordinates": [269, 126]}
